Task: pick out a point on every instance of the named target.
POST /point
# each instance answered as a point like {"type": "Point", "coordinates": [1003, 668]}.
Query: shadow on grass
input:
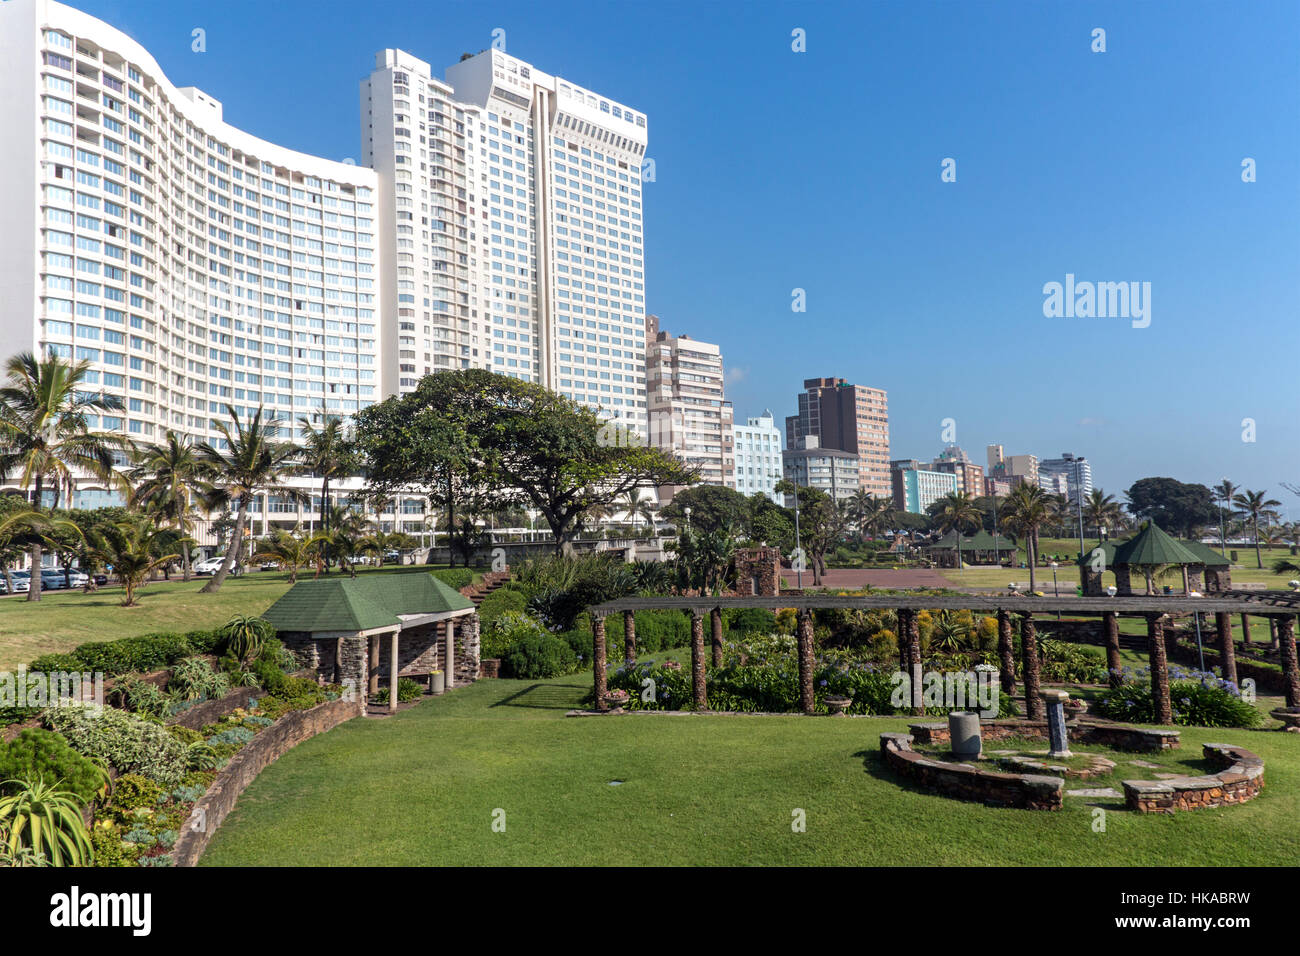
{"type": "Point", "coordinates": [544, 697]}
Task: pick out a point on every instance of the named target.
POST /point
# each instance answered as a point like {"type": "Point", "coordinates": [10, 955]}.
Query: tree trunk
{"type": "Point", "coordinates": [1158, 659]}
{"type": "Point", "coordinates": [699, 689]}
{"type": "Point", "coordinates": [1113, 665]}
{"type": "Point", "coordinates": [1032, 552]}
{"type": "Point", "coordinates": [1035, 708]}
{"type": "Point", "coordinates": [1006, 653]}
{"type": "Point", "coordinates": [1227, 653]}
{"type": "Point", "coordinates": [9, 578]}
{"type": "Point", "coordinates": [187, 570]}
{"type": "Point", "coordinates": [1290, 665]}
{"type": "Point", "coordinates": [34, 588]}
{"type": "Point", "coordinates": [325, 521]}
{"type": "Point", "coordinates": [599, 685]}
{"type": "Point", "coordinates": [1259, 558]}
{"type": "Point", "coordinates": [236, 542]}
{"type": "Point", "coordinates": [807, 700]}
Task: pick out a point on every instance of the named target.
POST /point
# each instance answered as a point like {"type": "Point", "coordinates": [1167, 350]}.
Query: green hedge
{"type": "Point", "coordinates": [140, 654]}
{"type": "Point", "coordinates": [501, 601]}
{"type": "Point", "coordinates": [454, 577]}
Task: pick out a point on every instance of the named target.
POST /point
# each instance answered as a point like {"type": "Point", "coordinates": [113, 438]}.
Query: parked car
{"type": "Point", "coordinates": [269, 566]}
{"type": "Point", "coordinates": [52, 581]}
{"type": "Point", "coordinates": [22, 583]}
{"type": "Point", "coordinates": [101, 579]}
{"type": "Point", "coordinates": [212, 565]}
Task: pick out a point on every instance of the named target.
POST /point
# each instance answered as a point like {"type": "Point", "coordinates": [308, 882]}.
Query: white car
{"type": "Point", "coordinates": [22, 583]}
{"type": "Point", "coordinates": [213, 565]}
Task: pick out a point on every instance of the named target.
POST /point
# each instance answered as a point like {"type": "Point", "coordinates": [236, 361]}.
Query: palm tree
{"type": "Point", "coordinates": [327, 454]}
{"type": "Point", "coordinates": [1101, 511]}
{"type": "Point", "coordinates": [45, 436]}
{"type": "Point", "coordinates": [251, 460]}
{"type": "Point", "coordinates": [637, 506]}
{"type": "Point", "coordinates": [19, 527]}
{"type": "Point", "coordinates": [134, 548]}
{"type": "Point", "coordinates": [1224, 492]}
{"type": "Point", "coordinates": [169, 478]}
{"type": "Point", "coordinates": [1024, 511]}
{"type": "Point", "coordinates": [380, 542]}
{"type": "Point", "coordinates": [877, 514]}
{"type": "Point", "coordinates": [957, 511]}
{"type": "Point", "coordinates": [288, 548]}
{"type": "Point", "coordinates": [1254, 505]}
{"type": "Point", "coordinates": [342, 542]}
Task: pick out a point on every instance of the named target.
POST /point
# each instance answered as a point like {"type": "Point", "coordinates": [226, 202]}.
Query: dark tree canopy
{"type": "Point", "coordinates": [713, 508]}
{"type": "Point", "coordinates": [1177, 507]}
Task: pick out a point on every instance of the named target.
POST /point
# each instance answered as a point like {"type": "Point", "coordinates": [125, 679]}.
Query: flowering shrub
{"type": "Point", "coordinates": [1198, 699]}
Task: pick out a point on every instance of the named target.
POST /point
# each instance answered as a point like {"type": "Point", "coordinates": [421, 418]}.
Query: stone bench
{"type": "Point", "coordinates": [967, 782]}
{"type": "Point", "coordinates": [1241, 779]}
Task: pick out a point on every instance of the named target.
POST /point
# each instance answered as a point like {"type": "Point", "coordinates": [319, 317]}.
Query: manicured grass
{"type": "Point", "coordinates": [63, 619]}
{"type": "Point", "coordinates": [421, 788]}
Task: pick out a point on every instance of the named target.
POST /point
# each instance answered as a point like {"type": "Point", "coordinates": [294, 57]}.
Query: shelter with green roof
{"type": "Point", "coordinates": [1149, 553]}
{"type": "Point", "coordinates": [979, 548]}
{"type": "Point", "coordinates": [341, 626]}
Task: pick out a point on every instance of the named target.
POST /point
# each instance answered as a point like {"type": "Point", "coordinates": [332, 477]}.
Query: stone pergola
{"type": "Point", "coordinates": [338, 626]}
{"type": "Point", "coordinates": [1155, 610]}
{"type": "Point", "coordinates": [1203, 568]}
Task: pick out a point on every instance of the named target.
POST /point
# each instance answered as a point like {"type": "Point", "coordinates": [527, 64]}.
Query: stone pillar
{"type": "Point", "coordinates": [598, 661]}
{"type": "Point", "coordinates": [699, 691]}
{"type": "Point", "coordinates": [715, 621]}
{"type": "Point", "coordinates": [1227, 653]}
{"type": "Point", "coordinates": [1164, 710]}
{"type": "Point", "coordinates": [392, 676]}
{"type": "Point", "coordinates": [1034, 708]}
{"type": "Point", "coordinates": [807, 701]}
{"type": "Point", "coordinates": [1290, 666]}
{"type": "Point", "coordinates": [1006, 652]}
{"type": "Point", "coordinates": [1245, 632]}
{"type": "Point", "coordinates": [1058, 742]}
{"type": "Point", "coordinates": [1114, 666]}
{"type": "Point", "coordinates": [470, 646]}
{"type": "Point", "coordinates": [629, 638]}
{"type": "Point", "coordinates": [449, 653]}
{"type": "Point", "coordinates": [374, 663]}
{"type": "Point", "coordinates": [914, 663]}
{"type": "Point", "coordinates": [1272, 633]}
{"type": "Point", "coordinates": [338, 660]}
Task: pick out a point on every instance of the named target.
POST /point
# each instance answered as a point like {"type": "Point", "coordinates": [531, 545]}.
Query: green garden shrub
{"type": "Point", "coordinates": [540, 656]}
{"type": "Point", "coordinates": [1204, 702]}
{"type": "Point", "coordinates": [40, 753]}
{"type": "Point", "coordinates": [407, 690]}
{"type": "Point", "coordinates": [455, 578]}
{"type": "Point", "coordinates": [132, 792]}
{"type": "Point", "coordinates": [749, 620]}
{"type": "Point", "coordinates": [500, 601]}
{"type": "Point", "coordinates": [125, 742]}
{"type": "Point", "coordinates": [511, 627]}
{"type": "Point", "coordinates": [194, 678]}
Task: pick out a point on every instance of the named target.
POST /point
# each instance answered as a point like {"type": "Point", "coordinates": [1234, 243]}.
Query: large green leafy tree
{"type": "Point", "coordinates": [821, 524]}
{"type": "Point", "coordinates": [45, 437]}
{"type": "Point", "coordinates": [770, 523]}
{"type": "Point", "coordinates": [250, 459]}
{"type": "Point", "coordinates": [1177, 507]}
{"type": "Point", "coordinates": [713, 508]}
{"type": "Point", "coordinates": [430, 440]}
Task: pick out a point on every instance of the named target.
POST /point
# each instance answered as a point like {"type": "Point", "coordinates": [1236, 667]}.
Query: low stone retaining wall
{"type": "Point", "coordinates": [1117, 736]}
{"type": "Point", "coordinates": [1241, 779]}
{"type": "Point", "coordinates": [965, 782]}
{"type": "Point", "coordinates": [260, 752]}
{"type": "Point", "coordinates": [209, 711]}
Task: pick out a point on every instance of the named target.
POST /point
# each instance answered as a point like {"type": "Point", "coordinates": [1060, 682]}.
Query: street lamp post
{"type": "Point", "coordinates": [1078, 500]}
{"type": "Point", "coordinates": [798, 545]}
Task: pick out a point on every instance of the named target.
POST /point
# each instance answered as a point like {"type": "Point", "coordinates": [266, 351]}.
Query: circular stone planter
{"type": "Point", "coordinates": [615, 700]}
{"type": "Point", "coordinates": [1290, 717]}
{"type": "Point", "coordinates": [837, 704]}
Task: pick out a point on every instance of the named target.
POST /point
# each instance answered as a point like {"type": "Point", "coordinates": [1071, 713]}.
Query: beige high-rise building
{"type": "Point", "coordinates": [851, 418]}
{"type": "Point", "coordinates": [689, 416]}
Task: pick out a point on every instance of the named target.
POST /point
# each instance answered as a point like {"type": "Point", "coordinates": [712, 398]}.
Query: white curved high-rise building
{"type": "Point", "coordinates": [194, 265]}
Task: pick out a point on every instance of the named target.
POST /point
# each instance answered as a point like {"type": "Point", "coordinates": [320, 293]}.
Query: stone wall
{"type": "Point", "coordinates": [1118, 736]}
{"type": "Point", "coordinates": [758, 572]}
{"type": "Point", "coordinates": [260, 752]}
{"type": "Point", "coordinates": [966, 782]}
{"type": "Point", "coordinates": [1241, 779]}
{"type": "Point", "coordinates": [210, 711]}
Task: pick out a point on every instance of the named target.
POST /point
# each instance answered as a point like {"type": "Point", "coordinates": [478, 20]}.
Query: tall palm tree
{"type": "Point", "coordinates": [169, 479]}
{"type": "Point", "coordinates": [1254, 505]}
{"type": "Point", "coordinates": [19, 526]}
{"type": "Point", "coordinates": [327, 454]}
{"type": "Point", "coordinates": [958, 512]}
{"type": "Point", "coordinates": [251, 460]}
{"type": "Point", "coordinates": [45, 436]}
{"type": "Point", "coordinates": [343, 540]}
{"type": "Point", "coordinates": [1024, 511]}
{"type": "Point", "coordinates": [637, 506]}
{"type": "Point", "coordinates": [860, 508]}
{"type": "Point", "coordinates": [1224, 493]}
{"type": "Point", "coordinates": [1101, 510]}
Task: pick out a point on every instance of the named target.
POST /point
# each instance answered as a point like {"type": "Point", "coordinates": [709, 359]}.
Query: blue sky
{"type": "Point", "coordinates": [820, 170]}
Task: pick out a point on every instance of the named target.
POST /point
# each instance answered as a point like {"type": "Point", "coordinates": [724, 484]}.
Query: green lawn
{"type": "Point", "coordinates": [421, 788]}
{"type": "Point", "coordinates": [63, 619]}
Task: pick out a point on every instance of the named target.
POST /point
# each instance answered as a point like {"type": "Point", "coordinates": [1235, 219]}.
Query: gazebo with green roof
{"type": "Point", "coordinates": [338, 623]}
{"type": "Point", "coordinates": [1148, 552]}
{"type": "Point", "coordinates": [977, 546]}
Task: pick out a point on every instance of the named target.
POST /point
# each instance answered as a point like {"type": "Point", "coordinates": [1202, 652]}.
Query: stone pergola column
{"type": "Point", "coordinates": [1273, 636]}
{"type": "Point", "coordinates": [629, 638]}
{"type": "Point", "coordinates": [392, 676]}
{"type": "Point", "coordinates": [1287, 652]}
{"type": "Point", "coordinates": [1114, 666]}
{"type": "Point", "coordinates": [1006, 652]}
{"type": "Point", "coordinates": [1164, 710]}
{"type": "Point", "coordinates": [715, 622]}
{"type": "Point", "coordinates": [1245, 631]}
{"type": "Point", "coordinates": [599, 685]}
{"type": "Point", "coordinates": [1227, 653]}
{"type": "Point", "coordinates": [914, 662]}
{"type": "Point", "coordinates": [374, 664]}
{"type": "Point", "coordinates": [904, 635]}
{"type": "Point", "coordinates": [699, 690]}
{"type": "Point", "coordinates": [807, 700]}
{"type": "Point", "coordinates": [1035, 709]}
{"type": "Point", "coordinates": [449, 654]}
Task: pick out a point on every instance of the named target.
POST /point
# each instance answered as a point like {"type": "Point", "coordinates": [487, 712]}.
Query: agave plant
{"type": "Point", "coordinates": [40, 818]}
{"type": "Point", "coordinates": [246, 636]}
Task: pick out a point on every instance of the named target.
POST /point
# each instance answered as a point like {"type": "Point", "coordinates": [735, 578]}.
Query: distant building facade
{"type": "Point", "coordinates": [915, 487]}
{"type": "Point", "coordinates": [1070, 473]}
{"type": "Point", "coordinates": [850, 418]}
{"type": "Point", "coordinates": [954, 461]}
{"type": "Point", "coordinates": [831, 470]}
{"type": "Point", "coordinates": [758, 456]}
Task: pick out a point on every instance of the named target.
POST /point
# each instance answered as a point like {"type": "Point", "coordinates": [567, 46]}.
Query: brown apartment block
{"type": "Point", "coordinates": [851, 418]}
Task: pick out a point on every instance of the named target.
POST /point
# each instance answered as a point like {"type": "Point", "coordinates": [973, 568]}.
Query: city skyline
{"type": "Point", "coordinates": [1150, 200]}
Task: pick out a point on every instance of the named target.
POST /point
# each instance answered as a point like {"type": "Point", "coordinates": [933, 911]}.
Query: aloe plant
{"type": "Point", "coordinates": [43, 819]}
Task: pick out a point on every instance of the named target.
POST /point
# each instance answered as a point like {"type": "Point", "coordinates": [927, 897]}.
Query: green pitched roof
{"type": "Point", "coordinates": [1108, 548]}
{"type": "Point", "coordinates": [980, 541]}
{"type": "Point", "coordinates": [363, 603]}
{"type": "Point", "coordinates": [1152, 546]}
{"type": "Point", "coordinates": [1205, 554]}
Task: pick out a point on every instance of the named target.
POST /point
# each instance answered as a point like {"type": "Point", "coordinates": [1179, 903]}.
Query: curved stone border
{"type": "Point", "coordinates": [1241, 779]}
{"type": "Point", "coordinates": [1025, 791]}
{"type": "Point", "coordinates": [259, 753]}
{"type": "Point", "coordinates": [1116, 736]}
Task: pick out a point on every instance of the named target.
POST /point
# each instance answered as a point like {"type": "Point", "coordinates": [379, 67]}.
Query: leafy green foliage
{"type": "Point", "coordinates": [1202, 702]}
{"type": "Point", "coordinates": [46, 819]}
{"type": "Point", "coordinates": [194, 678]}
{"type": "Point", "coordinates": [36, 754]}
{"type": "Point", "coordinates": [499, 602]}
{"type": "Point", "coordinates": [543, 655]}
{"type": "Point", "coordinates": [245, 636]}
{"type": "Point", "coordinates": [122, 740]}
{"type": "Point", "coordinates": [407, 690]}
